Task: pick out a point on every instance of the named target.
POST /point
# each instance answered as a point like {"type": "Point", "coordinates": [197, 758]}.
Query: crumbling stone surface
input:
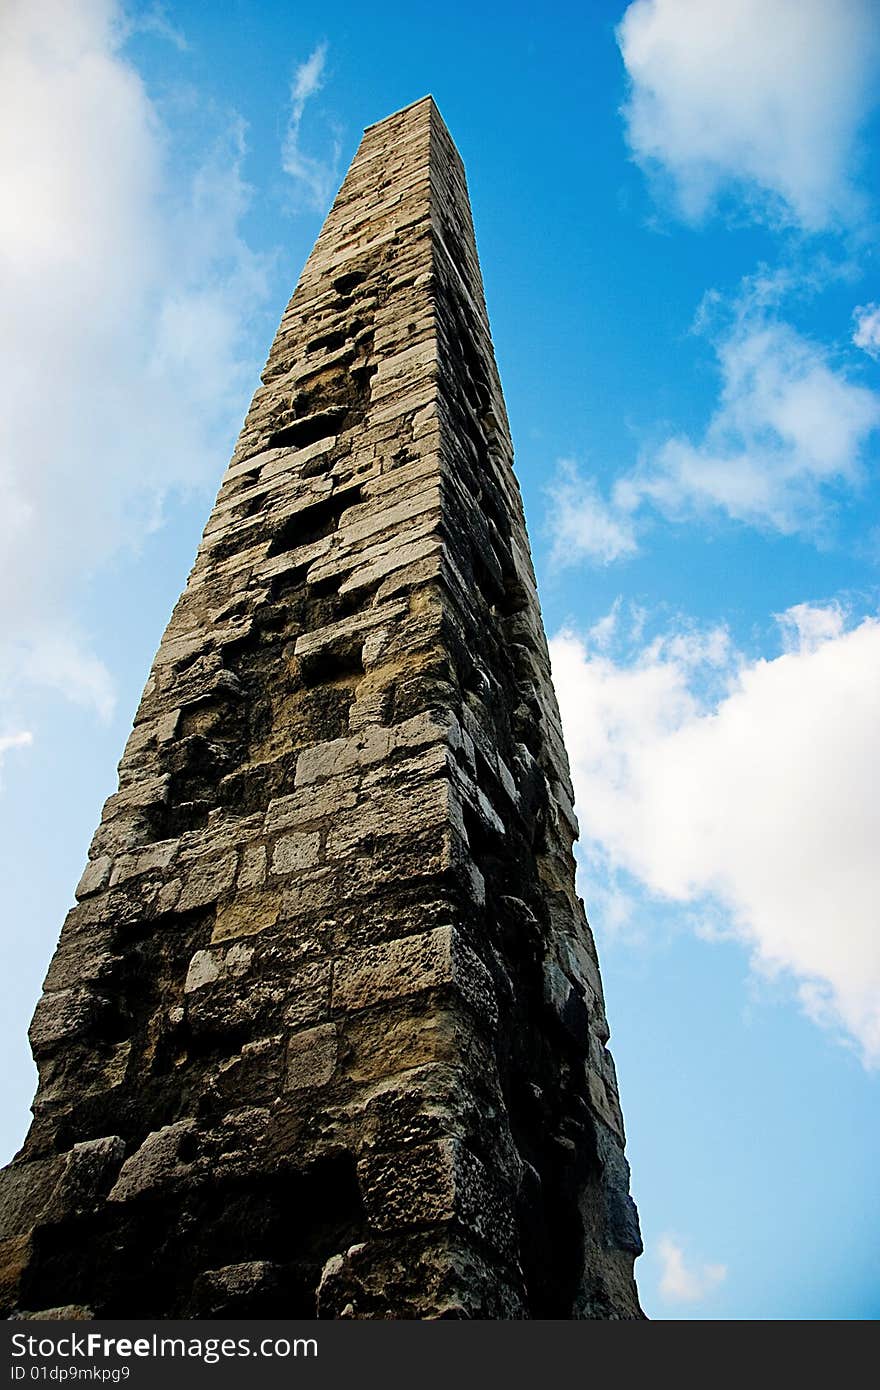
{"type": "Point", "coordinates": [324, 1034]}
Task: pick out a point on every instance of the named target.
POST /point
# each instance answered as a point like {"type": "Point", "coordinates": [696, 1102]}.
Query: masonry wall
{"type": "Point", "coordinates": [324, 1034]}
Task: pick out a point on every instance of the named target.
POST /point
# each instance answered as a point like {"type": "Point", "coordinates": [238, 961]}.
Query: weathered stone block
{"type": "Point", "coordinates": [63, 1016]}
{"type": "Point", "coordinates": [205, 881]}
{"type": "Point", "coordinates": [308, 995]}
{"type": "Point", "coordinates": [312, 1057]}
{"type": "Point", "coordinates": [154, 857]}
{"type": "Point", "coordinates": [390, 810]}
{"type": "Point", "coordinates": [156, 1164]}
{"type": "Point", "coordinates": [68, 1312]}
{"type": "Point", "coordinates": [233, 1290]}
{"type": "Point", "coordinates": [294, 852]}
{"type": "Point", "coordinates": [309, 804]}
{"type": "Point", "coordinates": [439, 1182]}
{"type": "Point", "coordinates": [410, 965]}
{"type": "Point", "coordinates": [85, 954]}
{"type": "Point", "coordinates": [25, 1192]}
{"type": "Point", "coordinates": [15, 1253]}
{"type": "Point", "coordinates": [95, 876]}
{"type": "Point", "coordinates": [90, 1167]}
{"type": "Point", "coordinates": [148, 792]}
{"type": "Point", "coordinates": [602, 1102]}
{"type": "Point", "coordinates": [341, 755]}
{"type": "Point", "coordinates": [256, 1071]}
{"type": "Point", "coordinates": [422, 1275]}
{"type": "Point", "coordinates": [252, 871]}
{"type": "Point", "coordinates": [393, 968]}
{"type": "Point", "coordinates": [567, 1003]}
{"type": "Point", "coordinates": [204, 968]}
{"type": "Point", "coordinates": [410, 1189]}
{"type": "Point", "coordinates": [246, 915]}
{"type": "Point", "coordinates": [382, 1043]}
{"type": "Point", "coordinates": [419, 1106]}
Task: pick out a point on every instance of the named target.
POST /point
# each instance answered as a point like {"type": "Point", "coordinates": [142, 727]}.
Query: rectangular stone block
{"type": "Point", "coordinates": [442, 1182]}
{"type": "Point", "coordinates": [246, 915]}
{"type": "Point", "coordinates": [25, 1193]}
{"type": "Point", "coordinates": [294, 852]}
{"type": "Point", "coordinates": [393, 968]}
{"type": "Point", "coordinates": [390, 810]}
{"type": "Point", "coordinates": [205, 881]}
{"type": "Point", "coordinates": [311, 1057]}
{"type": "Point", "coordinates": [95, 876]}
{"type": "Point", "coordinates": [306, 805]}
{"type": "Point", "coordinates": [15, 1252]}
{"type": "Point", "coordinates": [155, 856]}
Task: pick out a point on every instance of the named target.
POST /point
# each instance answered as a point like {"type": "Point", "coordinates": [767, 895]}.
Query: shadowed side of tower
{"type": "Point", "coordinates": [325, 1031]}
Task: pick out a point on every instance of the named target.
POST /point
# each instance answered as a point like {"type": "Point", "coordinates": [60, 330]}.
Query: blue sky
{"type": "Point", "coordinates": [675, 204]}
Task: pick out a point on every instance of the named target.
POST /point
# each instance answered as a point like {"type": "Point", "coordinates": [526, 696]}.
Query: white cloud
{"type": "Point", "coordinates": [788, 433]}
{"type": "Point", "coordinates": [744, 95]}
{"type": "Point", "coordinates": [123, 361]}
{"type": "Point", "coordinates": [55, 661]}
{"type": "Point", "coordinates": [748, 786]}
{"type": "Point", "coordinates": [308, 79]}
{"type": "Point", "coordinates": [681, 1283]}
{"type": "Point", "coordinates": [604, 630]}
{"type": "Point", "coordinates": [789, 426]}
{"type": "Point", "coordinates": [317, 176]}
{"type": "Point", "coordinates": [584, 526]}
{"type": "Point", "coordinates": [22, 739]}
{"type": "Point", "coordinates": [867, 330]}
{"type": "Point", "coordinates": [805, 626]}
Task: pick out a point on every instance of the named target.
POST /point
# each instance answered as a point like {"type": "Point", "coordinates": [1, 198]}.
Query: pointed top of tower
{"type": "Point", "coordinates": [427, 100]}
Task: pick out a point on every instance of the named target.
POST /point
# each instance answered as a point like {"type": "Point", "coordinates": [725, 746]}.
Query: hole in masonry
{"type": "Point", "coordinates": [289, 582]}
{"type": "Point", "coordinates": [484, 839]}
{"type": "Point", "coordinates": [328, 342]}
{"type": "Point", "coordinates": [328, 585]}
{"type": "Point", "coordinates": [313, 523]}
{"type": "Point", "coordinates": [516, 597]}
{"type": "Point", "coordinates": [489, 582]}
{"type": "Point", "coordinates": [338, 661]}
{"type": "Point", "coordinates": [309, 430]}
{"type": "Point", "coordinates": [313, 468]}
{"type": "Point", "coordinates": [344, 284]}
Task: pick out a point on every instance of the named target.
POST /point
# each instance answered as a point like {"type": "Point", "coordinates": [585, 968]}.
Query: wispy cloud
{"type": "Point", "coordinates": [681, 1282]}
{"type": "Point", "coordinates": [23, 739]}
{"type": "Point", "coordinates": [59, 661]}
{"type": "Point", "coordinates": [124, 357]}
{"type": "Point", "coordinates": [583, 525]}
{"type": "Point", "coordinates": [154, 20]}
{"type": "Point", "coordinates": [789, 429]}
{"type": "Point", "coordinates": [316, 176]}
{"type": "Point", "coordinates": [746, 786]}
{"type": "Point", "coordinates": [805, 626]}
{"type": "Point", "coordinates": [867, 329]}
{"type": "Point", "coordinates": [763, 101]}
{"type": "Point", "coordinates": [787, 438]}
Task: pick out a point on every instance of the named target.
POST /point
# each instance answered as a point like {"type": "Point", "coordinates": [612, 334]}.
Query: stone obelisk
{"type": "Point", "coordinates": [324, 1035]}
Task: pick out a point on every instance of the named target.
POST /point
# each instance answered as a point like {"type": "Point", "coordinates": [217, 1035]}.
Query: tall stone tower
{"type": "Point", "coordinates": [324, 1034]}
